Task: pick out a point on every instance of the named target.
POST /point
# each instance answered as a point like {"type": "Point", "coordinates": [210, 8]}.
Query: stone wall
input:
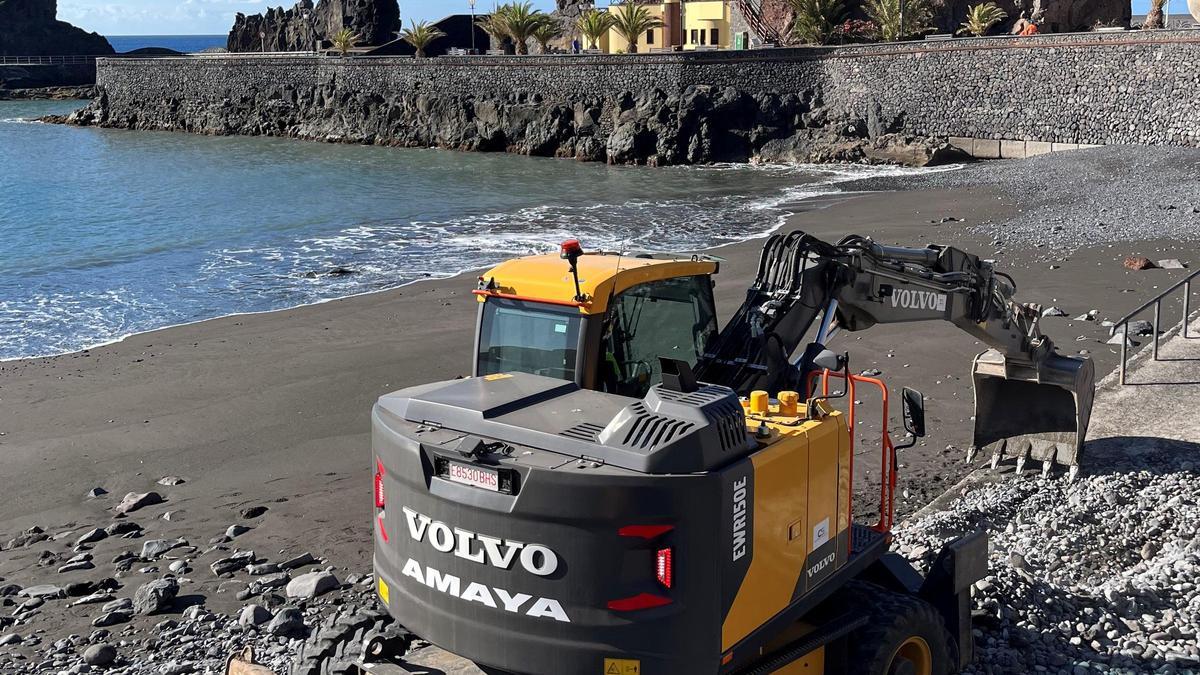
{"type": "Point", "coordinates": [1134, 87]}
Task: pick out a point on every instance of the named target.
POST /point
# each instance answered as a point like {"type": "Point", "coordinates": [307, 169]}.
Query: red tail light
{"type": "Point", "coordinates": [642, 601]}
{"type": "Point", "coordinates": [380, 498]}
{"type": "Point", "coordinates": [663, 567]}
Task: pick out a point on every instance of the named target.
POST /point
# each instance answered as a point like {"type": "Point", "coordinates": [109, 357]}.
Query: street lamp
{"type": "Point", "coordinates": [472, 4]}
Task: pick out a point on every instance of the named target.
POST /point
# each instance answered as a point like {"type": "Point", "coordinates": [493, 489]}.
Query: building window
{"type": "Point", "coordinates": [703, 34]}
{"type": "Point", "coordinates": [695, 38]}
{"type": "Point", "coordinates": [650, 36]}
{"type": "Point", "coordinates": [716, 37]}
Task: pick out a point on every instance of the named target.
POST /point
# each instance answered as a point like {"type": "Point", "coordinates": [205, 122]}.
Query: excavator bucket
{"type": "Point", "coordinates": [1039, 412]}
{"type": "Point", "coordinates": [243, 664]}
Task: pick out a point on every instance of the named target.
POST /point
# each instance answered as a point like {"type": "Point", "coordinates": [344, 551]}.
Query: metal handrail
{"type": "Point", "coordinates": [1156, 302]}
{"type": "Point", "coordinates": [46, 60]}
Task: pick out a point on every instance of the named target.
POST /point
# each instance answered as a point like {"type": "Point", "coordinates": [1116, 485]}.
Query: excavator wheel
{"type": "Point", "coordinates": [905, 636]}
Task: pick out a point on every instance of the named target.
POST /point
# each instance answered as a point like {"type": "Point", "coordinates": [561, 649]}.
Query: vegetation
{"type": "Point", "coordinates": [817, 20]}
{"type": "Point", "coordinates": [631, 21]}
{"type": "Point", "coordinates": [981, 18]}
{"type": "Point", "coordinates": [917, 18]}
{"type": "Point", "coordinates": [856, 30]}
{"type": "Point", "coordinates": [549, 30]}
{"type": "Point", "coordinates": [519, 21]}
{"type": "Point", "coordinates": [493, 25]}
{"type": "Point", "coordinates": [594, 25]}
{"type": "Point", "coordinates": [419, 35]}
{"type": "Point", "coordinates": [344, 40]}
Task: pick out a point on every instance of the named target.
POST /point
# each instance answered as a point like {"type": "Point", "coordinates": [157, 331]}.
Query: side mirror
{"type": "Point", "coordinates": [914, 412]}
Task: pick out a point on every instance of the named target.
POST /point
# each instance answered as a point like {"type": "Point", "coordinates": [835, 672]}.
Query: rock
{"type": "Point", "coordinates": [122, 527]}
{"type": "Point", "coordinates": [1119, 338]}
{"type": "Point", "coordinates": [155, 596]}
{"type": "Point", "coordinates": [1138, 263]}
{"type": "Point", "coordinates": [47, 591]}
{"type": "Point", "coordinates": [1171, 264]}
{"type": "Point", "coordinates": [374, 21]}
{"type": "Point", "coordinates": [260, 570]}
{"type": "Point", "coordinates": [178, 567]}
{"type": "Point", "coordinates": [177, 668]}
{"type": "Point", "coordinates": [171, 481]}
{"type": "Point", "coordinates": [156, 548]}
{"type": "Point", "coordinates": [93, 599]}
{"type": "Point", "coordinates": [236, 530]}
{"type": "Point", "coordinates": [1053, 311]}
{"type": "Point", "coordinates": [134, 501]}
{"type": "Point", "coordinates": [254, 615]}
{"type": "Point", "coordinates": [112, 618]}
{"type": "Point", "coordinates": [9, 590]}
{"type": "Point", "coordinates": [302, 560]}
{"type": "Point", "coordinates": [30, 27]}
{"type": "Point", "coordinates": [269, 582]}
{"type": "Point", "coordinates": [311, 585]}
{"type": "Point", "coordinates": [91, 536]}
{"type": "Point", "coordinates": [289, 622]}
{"type": "Point", "coordinates": [1141, 327]}
{"type": "Point", "coordinates": [99, 655]}
{"type": "Point", "coordinates": [10, 639]}
{"type": "Point", "coordinates": [118, 605]}
{"type": "Point", "coordinates": [80, 589]}
{"type": "Point", "coordinates": [1089, 316]}
{"type": "Point", "coordinates": [253, 512]}
{"type": "Point", "coordinates": [96, 492]}
{"type": "Point", "coordinates": [233, 563]}
{"type": "Point", "coordinates": [76, 566]}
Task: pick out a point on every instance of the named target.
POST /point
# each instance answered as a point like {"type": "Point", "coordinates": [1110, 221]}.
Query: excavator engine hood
{"type": "Point", "coordinates": [1033, 411]}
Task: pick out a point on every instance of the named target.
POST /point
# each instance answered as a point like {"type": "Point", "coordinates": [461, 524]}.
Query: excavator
{"type": "Point", "coordinates": [623, 488]}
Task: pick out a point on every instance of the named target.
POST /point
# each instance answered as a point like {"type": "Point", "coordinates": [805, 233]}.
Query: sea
{"type": "Point", "coordinates": [187, 44]}
{"type": "Point", "coordinates": [107, 233]}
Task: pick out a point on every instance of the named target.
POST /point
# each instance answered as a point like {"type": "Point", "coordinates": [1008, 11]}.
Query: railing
{"type": "Point", "coordinates": [46, 60]}
{"type": "Point", "coordinates": [1156, 302]}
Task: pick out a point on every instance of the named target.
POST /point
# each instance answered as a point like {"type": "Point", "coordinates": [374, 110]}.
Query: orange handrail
{"type": "Point", "coordinates": [887, 487]}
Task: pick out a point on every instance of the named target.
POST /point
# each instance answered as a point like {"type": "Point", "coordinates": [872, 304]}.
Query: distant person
{"type": "Point", "coordinates": [575, 46]}
{"type": "Point", "coordinates": [1024, 27]}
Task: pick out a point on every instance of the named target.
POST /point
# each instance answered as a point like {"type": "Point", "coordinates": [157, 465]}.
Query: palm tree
{"type": "Point", "coordinates": [493, 24]}
{"type": "Point", "coordinates": [344, 40]}
{"type": "Point", "coordinates": [594, 25]}
{"type": "Point", "coordinates": [419, 35]}
{"type": "Point", "coordinates": [886, 14]}
{"type": "Point", "coordinates": [520, 20]}
{"type": "Point", "coordinates": [816, 20]}
{"type": "Point", "coordinates": [632, 20]}
{"type": "Point", "coordinates": [550, 29]}
{"type": "Point", "coordinates": [1154, 18]}
{"type": "Point", "coordinates": [981, 18]}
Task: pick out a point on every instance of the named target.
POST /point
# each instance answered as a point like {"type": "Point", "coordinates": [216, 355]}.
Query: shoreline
{"type": "Point", "coordinates": [837, 174]}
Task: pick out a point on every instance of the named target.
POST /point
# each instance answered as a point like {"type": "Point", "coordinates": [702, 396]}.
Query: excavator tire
{"type": "Point", "coordinates": [335, 647]}
{"type": "Point", "coordinates": [906, 635]}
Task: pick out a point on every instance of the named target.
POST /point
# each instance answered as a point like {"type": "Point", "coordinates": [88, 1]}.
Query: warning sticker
{"type": "Point", "coordinates": [622, 667]}
{"type": "Point", "coordinates": [820, 534]}
{"type": "Point", "coordinates": [384, 592]}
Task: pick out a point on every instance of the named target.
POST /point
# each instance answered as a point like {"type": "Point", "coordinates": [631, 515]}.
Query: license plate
{"type": "Point", "coordinates": [469, 474]}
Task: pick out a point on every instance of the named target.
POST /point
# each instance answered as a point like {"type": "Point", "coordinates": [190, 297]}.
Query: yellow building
{"type": "Point", "coordinates": [687, 24]}
{"type": "Point", "coordinates": [706, 24]}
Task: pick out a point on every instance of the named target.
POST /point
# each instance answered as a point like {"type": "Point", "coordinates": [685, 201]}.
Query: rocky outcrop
{"type": "Point", "coordinates": [31, 28]}
{"type": "Point", "coordinates": [699, 125]}
{"type": "Point", "coordinates": [302, 27]}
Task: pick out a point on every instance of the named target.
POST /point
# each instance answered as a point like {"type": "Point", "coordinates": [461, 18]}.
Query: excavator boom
{"type": "Point", "coordinates": [1030, 401]}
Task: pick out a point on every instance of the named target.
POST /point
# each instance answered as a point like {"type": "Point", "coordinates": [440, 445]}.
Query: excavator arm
{"type": "Point", "coordinates": [1030, 401]}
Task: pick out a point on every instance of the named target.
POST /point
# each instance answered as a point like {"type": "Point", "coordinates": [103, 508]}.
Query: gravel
{"type": "Point", "coordinates": [1073, 200]}
{"type": "Point", "coordinates": [1099, 575]}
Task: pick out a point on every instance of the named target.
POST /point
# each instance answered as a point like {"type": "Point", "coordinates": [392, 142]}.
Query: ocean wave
{"type": "Point", "coordinates": [375, 255]}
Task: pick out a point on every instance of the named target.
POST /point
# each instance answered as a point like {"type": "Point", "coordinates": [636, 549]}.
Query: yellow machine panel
{"type": "Point", "coordinates": [799, 502]}
{"type": "Point", "coordinates": [547, 278]}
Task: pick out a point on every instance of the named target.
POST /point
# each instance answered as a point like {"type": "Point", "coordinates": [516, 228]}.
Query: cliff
{"type": "Point", "coordinates": [280, 30]}
{"type": "Point", "coordinates": [31, 28]}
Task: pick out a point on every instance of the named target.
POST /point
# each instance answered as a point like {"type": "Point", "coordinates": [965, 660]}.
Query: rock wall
{"type": "Point", "coordinates": [878, 102]}
{"type": "Point", "coordinates": [31, 28]}
{"type": "Point", "coordinates": [280, 30]}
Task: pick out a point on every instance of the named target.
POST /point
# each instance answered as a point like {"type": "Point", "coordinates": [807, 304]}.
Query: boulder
{"type": "Point", "coordinates": [311, 585]}
{"type": "Point", "coordinates": [155, 596]}
{"type": "Point", "coordinates": [99, 655]}
{"type": "Point", "coordinates": [91, 537]}
{"type": "Point", "coordinates": [289, 622]}
{"type": "Point", "coordinates": [112, 618]}
{"type": "Point", "coordinates": [254, 615]}
{"type": "Point", "coordinates": [134, 501]}
{"type": "Point", "coordinates": [156, 548]}
{"type": "Point", "coordinates": [1138, 263]}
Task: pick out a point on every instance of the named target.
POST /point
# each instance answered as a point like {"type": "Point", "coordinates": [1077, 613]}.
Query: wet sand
{"type": "Point", "coordinates": [273, 409]}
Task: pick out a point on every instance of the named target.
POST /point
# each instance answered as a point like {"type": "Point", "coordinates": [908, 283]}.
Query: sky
{"type": "Point", "coordinates": [213, 17]}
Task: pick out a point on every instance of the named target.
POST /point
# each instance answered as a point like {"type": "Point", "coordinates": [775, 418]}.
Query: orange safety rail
{"type": "Point", "coordinates": [887, 487]}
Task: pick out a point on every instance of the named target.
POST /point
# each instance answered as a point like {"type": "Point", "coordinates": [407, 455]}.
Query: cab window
{"type": "Point", "coordinates": [518, 338]}
{"type": "Point", "coordinates": [673, 318]}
